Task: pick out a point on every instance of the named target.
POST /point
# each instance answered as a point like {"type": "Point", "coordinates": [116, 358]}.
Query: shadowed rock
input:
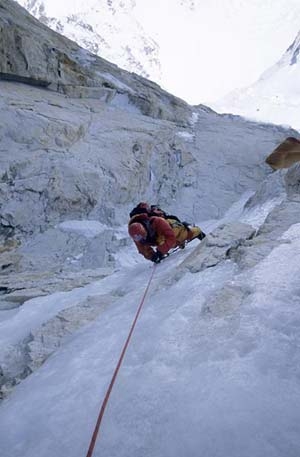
{"type": "Point", "coordinates": [285, 155]}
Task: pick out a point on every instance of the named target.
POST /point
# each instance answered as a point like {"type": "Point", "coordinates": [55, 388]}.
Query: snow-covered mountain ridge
{"type": "Point", "coordinates": [106, 28]}
{"type": "Point", "coordinates": [275, 97]}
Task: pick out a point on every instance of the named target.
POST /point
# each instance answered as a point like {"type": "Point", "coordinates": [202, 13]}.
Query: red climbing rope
{"type": "Point", "coordinates": [108, 392]}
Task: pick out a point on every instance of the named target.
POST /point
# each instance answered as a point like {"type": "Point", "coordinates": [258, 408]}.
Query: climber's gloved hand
{"type": "Point", "coordinates": [157, 257]}
{"type": "Point", "coordinates": [201, 235]}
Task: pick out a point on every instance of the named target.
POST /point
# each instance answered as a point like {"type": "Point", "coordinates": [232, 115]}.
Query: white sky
{"type": "Point", "coordinates": [221, 45]}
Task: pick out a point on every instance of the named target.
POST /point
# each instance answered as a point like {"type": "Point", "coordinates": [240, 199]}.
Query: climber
{"type": "Point", "coordinates": [151, 210]}
{"type": "Point", "coordinates": [165, 232]}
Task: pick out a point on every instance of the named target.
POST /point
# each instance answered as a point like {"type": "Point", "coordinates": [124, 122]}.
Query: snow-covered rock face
{"type": "Point", "coordinates": [94, 154]}
{"type": "Point", "coordinates": [73, 159]}
{"type": "Point", "coordinates": [224, 311]}
{"type": "Point", "coordinates": [293, 52]}
{"type": "Point", "coordinates": [36, 55]}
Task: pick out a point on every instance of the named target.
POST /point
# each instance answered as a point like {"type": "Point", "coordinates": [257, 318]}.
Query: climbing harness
{"type": "Point", "coordinates": [108, 392]}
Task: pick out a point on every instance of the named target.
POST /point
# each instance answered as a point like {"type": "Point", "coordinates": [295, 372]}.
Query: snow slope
{"type": "Point", "coordinates": [201, 376]}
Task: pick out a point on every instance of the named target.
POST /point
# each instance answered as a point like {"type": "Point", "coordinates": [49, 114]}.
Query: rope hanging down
{"type": "Point", "coordinates": [108, 392]}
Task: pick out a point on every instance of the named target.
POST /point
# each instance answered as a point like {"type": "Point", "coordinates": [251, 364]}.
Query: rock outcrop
{"type": "Point", "coordinates": [285, 155]}
{"type": "Point", "coordinates": [217, 246]}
